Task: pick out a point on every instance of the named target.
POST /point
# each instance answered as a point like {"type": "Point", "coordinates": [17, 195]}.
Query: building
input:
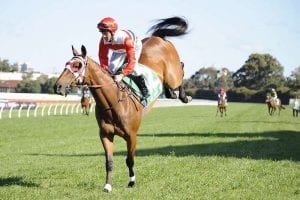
{"type": "Point", "coordinates": [10, 80]}
{"type": "Point", "coordinates": [8, 86]}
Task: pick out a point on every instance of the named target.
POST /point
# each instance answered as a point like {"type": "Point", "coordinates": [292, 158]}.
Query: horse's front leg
{"type": "Point", "coordinates": [108, 145]}
{"type": "Point", "coordinates": [131, 146]}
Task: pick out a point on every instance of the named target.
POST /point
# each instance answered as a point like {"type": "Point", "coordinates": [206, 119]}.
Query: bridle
{"type": "Point", "coordinates": [78, 71]}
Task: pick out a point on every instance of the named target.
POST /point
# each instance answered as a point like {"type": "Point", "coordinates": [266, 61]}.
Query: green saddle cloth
{"type": "Point", "coordinates": [152, 82]}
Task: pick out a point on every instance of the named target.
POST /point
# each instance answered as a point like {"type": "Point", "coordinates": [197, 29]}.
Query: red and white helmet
{"type": "Point", "coordinates": [107, 24]}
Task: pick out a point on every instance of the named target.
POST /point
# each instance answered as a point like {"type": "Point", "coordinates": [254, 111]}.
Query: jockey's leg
{"type": "Point", "coordinates": [140, 81]}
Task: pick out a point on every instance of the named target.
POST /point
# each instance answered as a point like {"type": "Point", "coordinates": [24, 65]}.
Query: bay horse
{"type": "Point", "coordinates": [118, 111]}
{"type": "Point", "coordinates": [85, 104]}
{"type": "Point", "coordinates": [272, 105]}
{"type": "Point", "coordinates": [221, 107]}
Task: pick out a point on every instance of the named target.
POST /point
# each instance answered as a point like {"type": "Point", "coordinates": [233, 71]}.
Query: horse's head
{"type": "Point", "coordinates": [73, 73]}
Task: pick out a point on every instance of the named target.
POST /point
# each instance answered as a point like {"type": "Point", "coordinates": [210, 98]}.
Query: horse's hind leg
{"type": "Point", "coordinates": [131, 145]}
{"type": "Point", "coordinates": [107, 142]}
{"type": "Point", "coordinates": [182, 96]}
{"type": "Point", "coordinates": [169, 93]}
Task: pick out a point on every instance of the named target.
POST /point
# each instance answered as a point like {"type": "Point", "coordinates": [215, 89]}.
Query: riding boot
{"type": "Point", "coordinates": [140, 81]}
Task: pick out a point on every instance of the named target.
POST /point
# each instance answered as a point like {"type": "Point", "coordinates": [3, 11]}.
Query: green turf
{"type": "Point", "coordinates": [182, 153]}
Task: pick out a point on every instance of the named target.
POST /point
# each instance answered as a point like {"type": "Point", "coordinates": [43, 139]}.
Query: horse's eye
{"type": "Point", "coordinates": [78, 65]}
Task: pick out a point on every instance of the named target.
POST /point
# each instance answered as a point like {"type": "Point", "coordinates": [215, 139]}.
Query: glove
{"type": "Point", "coordinates": [118, 78]}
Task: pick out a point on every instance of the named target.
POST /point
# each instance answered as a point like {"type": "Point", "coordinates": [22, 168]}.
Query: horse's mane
{"type": "Point", "coordinates": [97, 65]}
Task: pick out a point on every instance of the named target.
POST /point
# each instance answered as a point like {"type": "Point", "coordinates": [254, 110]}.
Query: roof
{"type": "Point", "coordinates": [9, 84]}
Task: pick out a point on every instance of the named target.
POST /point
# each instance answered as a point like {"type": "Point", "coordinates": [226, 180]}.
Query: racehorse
{"type": "Point", "coordinates": [272, 105]}
{"type": "Point", "coordinates": [85, 104]}
{"type": "Point", "coordinates": [118, 111]}
{"type": "Point", "coordinates": [221, 107]}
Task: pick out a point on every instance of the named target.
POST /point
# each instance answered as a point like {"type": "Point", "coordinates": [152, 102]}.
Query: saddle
{"type": "Point", "coordinates": [152, 83]}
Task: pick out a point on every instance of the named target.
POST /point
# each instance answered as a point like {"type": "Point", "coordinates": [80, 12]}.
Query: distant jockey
{"type": "Point", "coordinates": [274, 96]}
{"type": "Point", "coordinates": [222, 95]}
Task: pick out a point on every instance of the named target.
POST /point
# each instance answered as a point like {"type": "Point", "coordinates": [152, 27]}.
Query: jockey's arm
{"type": "Point", "coordinates": [130, 51]}
{"type": "Point", "coordinates": [103, 55]}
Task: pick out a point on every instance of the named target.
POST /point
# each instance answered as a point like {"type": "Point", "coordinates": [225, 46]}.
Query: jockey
{"type": "Point", "coordinates": [274, 95]}
{"type": "Point", "coordinates": [296, 107]}
{"type": "Point", "coordinates": [119, 52]}
{"type": "Point", "coordinates": [222, 94]}
{"type": "Point", "coordinates": [85, 92]}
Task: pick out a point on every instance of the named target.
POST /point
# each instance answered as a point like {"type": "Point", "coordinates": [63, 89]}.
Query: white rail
{"type": "Point", "coordinates": [39, 110]}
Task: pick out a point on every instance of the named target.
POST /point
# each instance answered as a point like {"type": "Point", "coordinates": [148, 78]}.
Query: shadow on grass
{"type": "Point", "coordinates": [16, 181]}
{"type": "Point", "coordinates": [283, 145]}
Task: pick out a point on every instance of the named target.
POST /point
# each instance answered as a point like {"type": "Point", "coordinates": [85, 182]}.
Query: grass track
{"type": "Point", "coordinates": [182, 153]}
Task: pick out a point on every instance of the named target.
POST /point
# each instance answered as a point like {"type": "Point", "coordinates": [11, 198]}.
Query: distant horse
{"type": "Point", "coordinates": [272, 105]}
{"type": "Point", "coordinates": [221, 107]}
{"type": "Point", "coordinates": [85, 104]}
{"type": "Point", "coordinates": [296, 107]}
{"type": "Point", "coordinates": [118, 110]}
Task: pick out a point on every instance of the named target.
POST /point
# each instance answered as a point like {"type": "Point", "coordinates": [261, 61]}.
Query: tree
{"type": "Point", "coordinates": [4, 65]}
{"type": "Point", "coordinates": [210, 78]}
{"type": "Point", "coordinates": [224, 79]}
{"type": "Point", "coordinates": [205, 78]}
{"type": "Point", "coordinates": [28, 86]}
{"type": "Point", "coordinates": [14, 67]}
{"type": "Point", "coordinates": [47, 86]}
{"type": "Point", "coordinates": [259, 72]}
{"type": "Point", "coordinates": [296, 78]}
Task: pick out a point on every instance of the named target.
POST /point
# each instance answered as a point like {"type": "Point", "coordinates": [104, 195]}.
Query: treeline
{"type": "Point", "coordinates": [42, 84]}
{"type": "Point", "coordinates": [251, 83]}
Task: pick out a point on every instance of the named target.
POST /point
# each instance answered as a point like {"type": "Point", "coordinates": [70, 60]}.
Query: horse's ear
{"type": "Point", "coordinates": [83, 51]}
{"type": "Point", "coordinates": [75, 52]}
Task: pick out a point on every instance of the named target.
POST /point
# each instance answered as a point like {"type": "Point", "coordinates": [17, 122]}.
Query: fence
{"type": "Point", "coordinates": [17, 105]}
{"type": "Point", "coordinates": [43, 110]}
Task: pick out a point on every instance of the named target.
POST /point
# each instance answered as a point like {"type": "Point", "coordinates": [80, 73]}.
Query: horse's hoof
{"type": "Point", "coordinates": [107, 188]}
{"type": "Point", "coordinates": [186, 99]}
{"type": "Point", "coordinates": [131, 181]}
{"type": "Point", "coordinates": [131, 184]}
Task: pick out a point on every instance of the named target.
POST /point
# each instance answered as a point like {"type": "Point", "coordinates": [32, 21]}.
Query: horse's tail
{"type": "Point", "coordinates": [173, 26]}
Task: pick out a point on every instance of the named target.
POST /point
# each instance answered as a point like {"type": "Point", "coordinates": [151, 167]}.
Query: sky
{"type": "Point", "coordinates": [222, 33]}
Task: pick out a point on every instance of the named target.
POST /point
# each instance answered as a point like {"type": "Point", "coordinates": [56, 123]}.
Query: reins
{"type": "Point", "coordinates": [79, 79]}
{"type": "Point", "coordinates": [120, 89]}
{"type": "Point", "coordinates": [100, 85]}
